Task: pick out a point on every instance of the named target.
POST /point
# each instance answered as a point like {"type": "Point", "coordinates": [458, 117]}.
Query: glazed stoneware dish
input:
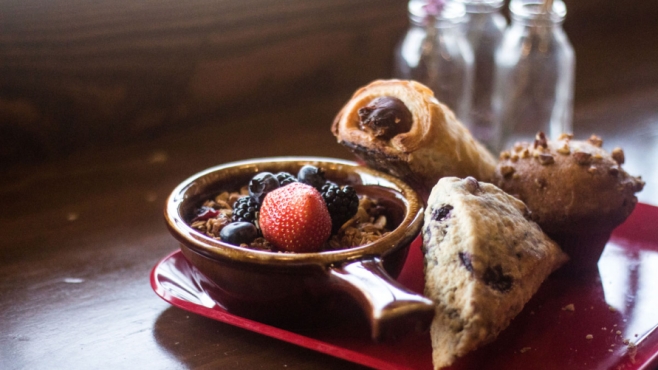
{"type": "Point", "coordinates": [274, 286]}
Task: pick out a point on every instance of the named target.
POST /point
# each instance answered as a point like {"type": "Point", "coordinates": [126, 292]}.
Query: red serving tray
{"type": "Point", "coordinates": [620, 304]}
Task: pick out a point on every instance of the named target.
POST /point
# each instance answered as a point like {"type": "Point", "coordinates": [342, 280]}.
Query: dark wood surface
{"type": "Point", "coordinates": [80, 232]}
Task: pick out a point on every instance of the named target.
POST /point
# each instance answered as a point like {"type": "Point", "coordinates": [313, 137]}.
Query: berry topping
{"type": "Point", "coordinates": [245, 209]}
{"type": "Point", "coordinates": [496, 279]}
{"type": "Point", "coordinates": [261, 184]}
{"type": "Point", "coordinates": [237, 233]}
{"type": "Point", "coordinates": [342, 204]}
{"type": "Point", "coordinates": [440, 214]}
{"type": "Point", "coordinates": [205, 213]}
{"type": "Point", "coordinates": [295, 218]}
{"type": "Point", "coordinates": [285, 178]}
{"type": "Point", "coordinates": [312, 175]}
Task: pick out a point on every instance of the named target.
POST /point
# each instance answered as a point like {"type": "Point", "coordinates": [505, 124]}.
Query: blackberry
{"type": "Point", "coordinates": [342, 204]}
{"type": "Point", "coordinates": [285, 178]}
{"type": "Point", "coordinates": [312, 175]}
{"type": "Point", "coordinates": [245, 209]}
{"type": "Point", "coordinates": [261, 184]}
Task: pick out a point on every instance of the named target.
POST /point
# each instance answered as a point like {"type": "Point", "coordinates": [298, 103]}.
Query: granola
{"type": "Point", "coordinates": [368, 225]}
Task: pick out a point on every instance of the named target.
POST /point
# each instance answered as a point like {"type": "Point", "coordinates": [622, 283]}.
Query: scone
{"type": "Point", "coordinates": [399, 127]}
{"type": "Point", "coordinates": [484, 259]}
{"type": "Point", "coordinates": [576, 191]}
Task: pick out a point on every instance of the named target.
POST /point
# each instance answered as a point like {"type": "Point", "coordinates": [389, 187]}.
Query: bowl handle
{"type": "Point", "coordinates": [390, 307]}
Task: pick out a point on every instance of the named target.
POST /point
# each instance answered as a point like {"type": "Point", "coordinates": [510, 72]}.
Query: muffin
{"type": "Point", "coordinates": [484, 259]}
{"type": "Point", "coordinates": [576, 191]}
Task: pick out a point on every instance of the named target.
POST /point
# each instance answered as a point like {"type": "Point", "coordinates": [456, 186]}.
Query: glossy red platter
{"type": "Point", "coordinates": [618, 308]}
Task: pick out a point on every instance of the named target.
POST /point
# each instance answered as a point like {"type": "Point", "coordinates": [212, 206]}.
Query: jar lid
{"type": "Point", "coordinates": [482, 6]}
{"type": "Point", "coordinates": [421, 10]}
{"type": "Point", "coordinates": [533, 10]}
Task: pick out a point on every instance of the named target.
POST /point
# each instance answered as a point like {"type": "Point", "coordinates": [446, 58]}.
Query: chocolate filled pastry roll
{"type": "Point", "coordinates": [400, 127]}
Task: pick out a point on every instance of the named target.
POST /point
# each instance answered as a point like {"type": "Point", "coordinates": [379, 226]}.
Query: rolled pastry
{"type": "Point", "coordinates": [400, 127]}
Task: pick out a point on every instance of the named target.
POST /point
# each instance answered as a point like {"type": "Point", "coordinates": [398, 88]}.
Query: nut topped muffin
{"type": "Point", "coordinates": [577, 192]}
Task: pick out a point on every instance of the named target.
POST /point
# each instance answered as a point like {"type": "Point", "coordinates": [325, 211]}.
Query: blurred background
{"type": "Point", "coordinates": [81, 75]}
{"type": "Point", "coordinates": [105, 106]}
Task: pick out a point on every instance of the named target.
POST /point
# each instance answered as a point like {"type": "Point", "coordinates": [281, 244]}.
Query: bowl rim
{"type": "Point", "coordinates": [216, 249]}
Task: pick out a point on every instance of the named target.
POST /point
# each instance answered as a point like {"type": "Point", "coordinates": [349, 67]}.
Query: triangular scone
{"type": "Point", "coordinates": [484, 259]}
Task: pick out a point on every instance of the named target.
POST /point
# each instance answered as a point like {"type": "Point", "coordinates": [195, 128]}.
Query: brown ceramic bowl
{"type": "Point", "coordinates": [269, 285]}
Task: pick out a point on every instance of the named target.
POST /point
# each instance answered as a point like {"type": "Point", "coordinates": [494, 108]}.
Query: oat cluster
{"type": "Point", "coordinates": [368, 225]}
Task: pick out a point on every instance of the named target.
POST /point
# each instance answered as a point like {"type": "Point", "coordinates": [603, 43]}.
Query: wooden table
{"type": "Point", "coordinates": [80, 234]}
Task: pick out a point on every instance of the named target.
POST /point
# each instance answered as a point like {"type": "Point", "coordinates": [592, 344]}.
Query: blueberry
{"type": "Point", "coordinates": [496, 279]}
{"type": "Point", "coordinates": [237, 233]}
{"type": "Point", "coordinates": [261, 184]}
{"type": "Point", "coordinates": [442, 213]}
{"type": "Point", "coordinates": [311, 175]}
{"type": "Point", "coordinates": [465, 259]}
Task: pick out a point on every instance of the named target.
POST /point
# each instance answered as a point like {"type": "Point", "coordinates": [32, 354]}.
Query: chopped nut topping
{"type": "Point", "coordinates": [504, 155]}
{"type": "Point", "coordinates": [592, 170]}
{"type": "Point", "coordinates": [518, 147]}
{"type": "Point", "coordinates": [546, 159]}
{"type": "Point", "coordinates": [525, 153]}
{"type": "Point", "coordinates": [597, 156]}
{"type": "Point", "coordinates": [618, 155]}
{"type": "Point", "coordinates": [222, 197]}
{"type": "Point", "coordinates": [564, 149]}
{"type": "Point", "coordinates": [514, 157]}
{"type": "Point", "coordinates": [540, 140]}
{"type": "Point", "coordinates": [564, 136]}
{"type": "Point", "coordinates": [638, 185]}
{"type": "Point", "coordinates": [582, 158]}
{"type": "Point", "coordinates": [516, 176]}
{"type": "Point", "coordinates": [595, 140]}
{"type": "Point", "coordinates": [506, 171]}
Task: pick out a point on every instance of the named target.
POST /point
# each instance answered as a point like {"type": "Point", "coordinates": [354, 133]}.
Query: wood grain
{"type": "Point", "coordinates": [79, 74]}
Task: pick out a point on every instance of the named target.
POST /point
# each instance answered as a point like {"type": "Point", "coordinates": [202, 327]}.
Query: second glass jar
{"type": "Point", "coordinates": [436, 53]}
{"type": "Point", "coordinates": [535, 66]}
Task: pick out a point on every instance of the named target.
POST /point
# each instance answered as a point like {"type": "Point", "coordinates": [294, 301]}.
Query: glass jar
{"type": "Point", "coordinates": [435, 52]}
{"type": "Point", "coordinates": [484, 32]}
{"type": "Point", "coordinates": [535, 66]}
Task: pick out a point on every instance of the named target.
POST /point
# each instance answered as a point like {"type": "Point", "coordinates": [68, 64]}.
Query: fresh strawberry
{"type": "Point", "coordinates": [295, 218]}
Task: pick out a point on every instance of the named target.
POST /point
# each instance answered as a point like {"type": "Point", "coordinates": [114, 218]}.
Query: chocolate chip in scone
{"type": "Point", "coordinates": [496, 279]}
{"type": "Point", "coordinates": [441, 213]}
{"type": "Point", "coordinates": [465, 259]}
{"type": "Point", "coordinates": [614, 170]}
{"type": "Point", "coordinates": [385, 117]}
